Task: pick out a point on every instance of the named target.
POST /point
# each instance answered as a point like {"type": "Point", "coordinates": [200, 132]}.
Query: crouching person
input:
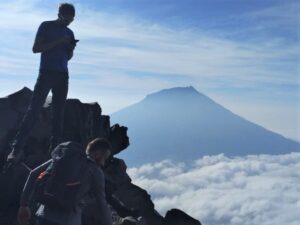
{"type": "Point", "coordinates": [61, 184]}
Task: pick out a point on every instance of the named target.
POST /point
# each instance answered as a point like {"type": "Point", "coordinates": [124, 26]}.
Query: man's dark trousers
{"type": "Point", "coordinates": [57, 82]}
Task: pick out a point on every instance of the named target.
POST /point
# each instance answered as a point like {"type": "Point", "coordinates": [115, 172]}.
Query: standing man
{"type": "Point", "coordinates": [56, 43]}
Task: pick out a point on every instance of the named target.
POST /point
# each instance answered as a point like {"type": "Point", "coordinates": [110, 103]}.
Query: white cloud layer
{"type": "Point", "coordinates": [217, 190]}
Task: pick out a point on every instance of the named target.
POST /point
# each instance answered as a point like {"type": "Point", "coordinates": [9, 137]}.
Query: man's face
{"type": "Point", "coordinates": [65, 19]}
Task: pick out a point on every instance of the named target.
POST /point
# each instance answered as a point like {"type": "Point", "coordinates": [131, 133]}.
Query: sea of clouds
{"type": "Point", "coordinates": [220, 190]}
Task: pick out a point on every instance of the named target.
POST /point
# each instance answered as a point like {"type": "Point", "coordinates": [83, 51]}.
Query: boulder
{"type": "Point", "coordinates": [178, 217]}
{"type": "Point", "coordinates": [131, 195]}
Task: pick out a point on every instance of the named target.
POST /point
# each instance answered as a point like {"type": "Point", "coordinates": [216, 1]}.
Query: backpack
{"type": "Point", "coordinates": [58, 186]}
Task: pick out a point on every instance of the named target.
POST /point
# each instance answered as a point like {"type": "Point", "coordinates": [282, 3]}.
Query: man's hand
{"type": "Point", "coordinates": [65, 40]}
{"type": "Point", "coordinates": [24, 215]}
{"type": "Point", "coordinates": [71, 46]}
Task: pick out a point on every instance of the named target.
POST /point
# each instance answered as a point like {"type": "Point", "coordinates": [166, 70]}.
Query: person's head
{"type": "Point", "coordinates": [66, 13]}
{"type": "Point", "coordinates": [99, 150]}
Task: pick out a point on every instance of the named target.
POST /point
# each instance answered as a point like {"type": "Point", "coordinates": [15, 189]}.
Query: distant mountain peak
{"type": "Point", "coordinates": [185, 89]}
{"type": "Point", "coordinates": [182, 124]}
{"type": "Point", "coordinates": [174, 92]}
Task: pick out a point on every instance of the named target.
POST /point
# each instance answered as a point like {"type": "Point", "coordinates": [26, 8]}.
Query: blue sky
{"type": "Point", "coordinates": [243, 54]}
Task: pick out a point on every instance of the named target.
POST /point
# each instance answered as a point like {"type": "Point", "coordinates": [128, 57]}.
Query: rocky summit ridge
{"type": "Point", "coordinates": [83, 122]}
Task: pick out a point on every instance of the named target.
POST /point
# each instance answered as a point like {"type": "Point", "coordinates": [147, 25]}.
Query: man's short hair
{"type": "Point", "coordinates": [99, 144]}
{"type": "Point", "coordinates": [66, 9]}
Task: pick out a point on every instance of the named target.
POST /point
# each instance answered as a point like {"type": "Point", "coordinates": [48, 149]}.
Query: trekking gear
{"type": "Point", "coordinates": [58, 186]}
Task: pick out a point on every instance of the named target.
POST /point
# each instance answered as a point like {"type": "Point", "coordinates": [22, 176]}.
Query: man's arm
{"type": "Point", "coordinates": [121, 209]}
{"type": "Point", "coordinates": [72, 45]}
{"type": "Point", "coordinates": [98, 189]}
{"type": "Point", "coordinates": [40, 46]}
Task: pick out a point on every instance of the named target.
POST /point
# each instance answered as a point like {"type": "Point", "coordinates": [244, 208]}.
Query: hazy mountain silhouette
{"type": "Point", "coordinates": [182, 124]}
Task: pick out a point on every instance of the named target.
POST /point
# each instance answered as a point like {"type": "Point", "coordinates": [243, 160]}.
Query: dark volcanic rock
{"type": "Point", "coordinates": [131, 195]}
{"type": "Point", "coordinates": [177, 217]}
{"type": "Point", "coordinates": [11, 186]}
{"type": "Point", "coordinates": [118, 138]}
{"type": "Point", "coordinates": [82, 123]}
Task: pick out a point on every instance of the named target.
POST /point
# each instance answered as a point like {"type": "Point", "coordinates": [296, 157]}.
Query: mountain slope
{"type": "Point", "coordinates": [181, 124]}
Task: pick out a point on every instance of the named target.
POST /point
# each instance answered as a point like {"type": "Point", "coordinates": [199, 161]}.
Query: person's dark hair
{"type": "Point", "coordinates": [66, 9]}
{"type": "Point", "coordinates": [98, 144]}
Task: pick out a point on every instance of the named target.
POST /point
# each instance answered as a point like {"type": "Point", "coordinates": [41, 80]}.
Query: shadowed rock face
{"type": "Point", "coordinates": [82, 123]}
{"type": "Point", "coordinates": [177, 217]}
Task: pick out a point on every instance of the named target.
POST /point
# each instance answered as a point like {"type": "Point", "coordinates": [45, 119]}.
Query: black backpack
{"type": "Point", "coordinates": [58, 186]}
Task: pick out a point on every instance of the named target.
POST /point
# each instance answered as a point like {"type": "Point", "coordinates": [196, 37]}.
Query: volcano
{"type": "Point", "coordinates": [182, 124]}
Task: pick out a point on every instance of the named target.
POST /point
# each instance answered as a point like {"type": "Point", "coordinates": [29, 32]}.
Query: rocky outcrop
{"type": "Point", "coordinates": [177, 217]}
{"type": "Point", "coordinates": [83, 122]}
